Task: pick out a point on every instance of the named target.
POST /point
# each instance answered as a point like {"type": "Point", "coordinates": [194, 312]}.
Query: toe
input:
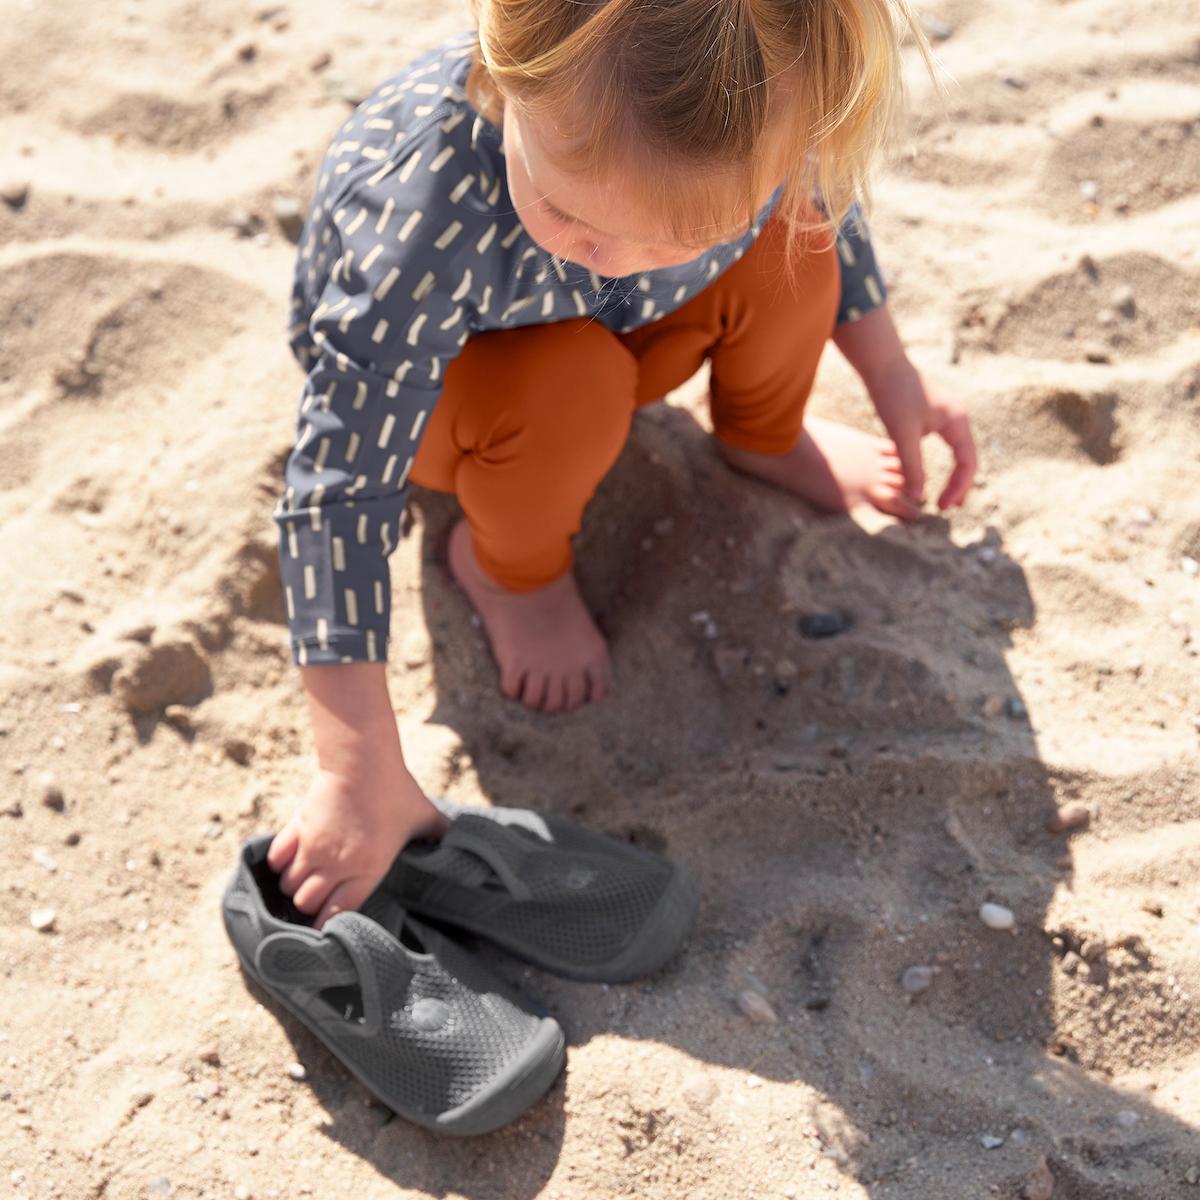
{"type": "Point", "coordinates": [576, 689]}
{"type": "Point", "coordinates": [599, 681]}
{"type": "Point", "coordinates": [554, 694]}
{"type": "Point", "coordinates": [533, 694]}
{"type": "Point", "coordinates": [511, 681]}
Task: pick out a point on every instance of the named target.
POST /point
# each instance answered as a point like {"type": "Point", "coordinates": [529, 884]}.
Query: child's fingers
{"type": "Point", "coordinates": [312, 893]}
{"type": "Point", "coordinates": [908, 448]}
{"type": "Point", "coordinates": [294, 874]}
{"type": "Point", "coordinates": [896, 503]}
{"type": "Point", "coordinates": [283, 848]}
{"type": "Point", "coordinates": [955, 491]}
{"type": "Point", "coordinates": [346, 897]}
{"type": "Point", "coordinates": [956, 433]}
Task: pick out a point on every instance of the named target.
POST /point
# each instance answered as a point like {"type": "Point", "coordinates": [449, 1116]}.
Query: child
{"type": "Point", "coordinates": [514, 243]}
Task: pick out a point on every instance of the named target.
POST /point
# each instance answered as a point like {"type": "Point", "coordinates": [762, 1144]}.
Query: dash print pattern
{"type": "Point", "coordinates": [412, 246]}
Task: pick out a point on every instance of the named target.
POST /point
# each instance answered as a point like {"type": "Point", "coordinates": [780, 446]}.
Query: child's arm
{"type": "Point", "coordinates": [908, 409]}
{"type": "Point", "coordinates": [361, 804]}
{"type": "Point", "coordinates": [398, 243]}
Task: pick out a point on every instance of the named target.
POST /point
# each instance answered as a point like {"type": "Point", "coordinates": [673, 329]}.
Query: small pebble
{"type": "Point", "coordinates": [160, 1186]}
{"type": "Point", "coordinates": [1015, 710]}
{"type": "Point", "coordinates": [1068, 817]}
{"type": "Point", "coordinates": [210, 1058]}
{"type": "Point", "coordinates": [1192, 1176]}
{"type": "Point", "coordinates": [1097, 352]}
{"type": "Point", "coordinates": [1189, 566]}
{"type": "Point", "coordinates": [1089, 190]}
{"type": "Point", "coordinates": [824, 624]}
{"type": "Point", "coordinates": [342, 89]}
{"type": "Point", "coordinates": [699, 1091]}
{"type": "Point", "coordinates": [72, 838]}
{"type": "Point", "coordinates": [179, 716]}
{"type": "Point", "coordinates": [289, 216]}
{"type": "Point", "coordinates": [936, 30]}
{"type": "Point", "coordinates": [916, 979]}
{"type": "Point", "coordinates": [241, 1192]}
{"type": "Point", "coordinates": [141, 1096]}
{"type": "Point", "coordinates": [992, 707]}
{"type": "Point", "coordinates": [996, 916]}
{"type": "Point", "coordinates": [1127, 1118]}
{"type": "Point", "coordinates": [989, 1141]}
{"type": "Point", "coordinates": [986, 555]}
{"type": "Point", "coordinates": [297, 1072]}
{"type": "Point", "coordinates": [1017, 82]}
{"type": "Point", "coordinates": [14, 192]}
{"type": "Point", "coordinates": [44, 858]}
{"type": "Point", "coordinates": [51, 793]}
{"type": "Point", "coordinates": [1039, 1183]}
{"type": "Point", "coordinates": [320, 61]}
{"type": "Point", "coordinates": [1123, 300]}
{"type": "Point", "coordinates": [785, 671]}
{"type": "Point", "coordinates": [43, 919]}
{"type": "Point", "coordinates": [239, 750]}
{"type": "Point", "coordinates": [1087, 264]}
{"type": "Point", "coordinates": [1142, 517]}
{"type": "Point", "coordinates": [244, 223]}
{"type": "Point", "coordinates": [756, 1007]}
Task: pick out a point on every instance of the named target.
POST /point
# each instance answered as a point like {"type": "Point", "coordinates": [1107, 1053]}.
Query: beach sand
{"type": "Point", "coordinates": [847, 804]}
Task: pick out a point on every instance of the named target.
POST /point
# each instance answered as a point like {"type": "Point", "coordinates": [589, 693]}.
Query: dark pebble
{"type": "Point", "coordinates": [824, 625]}
{"type": "Point", "coordinates": [1015, 709]}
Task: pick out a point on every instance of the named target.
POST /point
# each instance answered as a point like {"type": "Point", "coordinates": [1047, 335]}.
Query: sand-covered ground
{"type": "Point", "coordinates": [847, 804]}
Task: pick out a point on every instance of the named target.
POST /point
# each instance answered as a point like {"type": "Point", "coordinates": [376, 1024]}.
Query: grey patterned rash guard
{"type": "Point", "coordinates": [412, 246]}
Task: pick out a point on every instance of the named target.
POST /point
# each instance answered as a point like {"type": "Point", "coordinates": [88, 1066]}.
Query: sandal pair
{"type": "Point", "coordinates": [395, 995]}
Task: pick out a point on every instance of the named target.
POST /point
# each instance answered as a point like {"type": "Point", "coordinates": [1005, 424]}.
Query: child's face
{"type": "Point", "coordinates": [599, 225]}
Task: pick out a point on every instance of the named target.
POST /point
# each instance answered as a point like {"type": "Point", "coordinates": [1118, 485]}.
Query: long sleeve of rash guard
{"type": "Point", "coordinates": [388, 321]}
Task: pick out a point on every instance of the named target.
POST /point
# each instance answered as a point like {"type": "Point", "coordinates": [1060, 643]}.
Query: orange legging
{"type": "Point", "coordinates": [531, 419]}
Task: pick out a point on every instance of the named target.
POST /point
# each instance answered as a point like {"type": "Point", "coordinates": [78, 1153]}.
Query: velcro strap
{"type": "Point", "coordinates": [304, 958]}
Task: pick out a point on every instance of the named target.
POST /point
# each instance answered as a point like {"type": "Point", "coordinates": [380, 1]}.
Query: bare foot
{"type": "Point", "coordinates": [551, 655]}
{"type": "Point", "coordinates": [834, 467]}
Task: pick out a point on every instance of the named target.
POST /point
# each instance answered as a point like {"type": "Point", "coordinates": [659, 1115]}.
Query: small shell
{"type": "Point", "coordinates": [757, 1008]}
{"type": "Point", "coordinates": [996, 916]}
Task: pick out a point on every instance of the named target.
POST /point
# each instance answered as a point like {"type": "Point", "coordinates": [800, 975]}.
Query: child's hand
{"type": "Point", "coordinates": [345, 833]}
{"type": "Point", "coordinates": [909, 410]}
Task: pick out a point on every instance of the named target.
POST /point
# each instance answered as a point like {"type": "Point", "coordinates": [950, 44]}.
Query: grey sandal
{"type": "Point", "coordinates": [426, 1027]}
{"type": "Point", "coordinates": [543, 887]}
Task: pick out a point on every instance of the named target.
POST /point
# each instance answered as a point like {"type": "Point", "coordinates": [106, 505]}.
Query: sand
{"type": "Point", "coordinates": [847, 804]}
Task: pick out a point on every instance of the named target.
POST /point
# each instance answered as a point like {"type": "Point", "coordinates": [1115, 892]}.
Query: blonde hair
{"type": "Point", "coordinates": [723, 92]}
